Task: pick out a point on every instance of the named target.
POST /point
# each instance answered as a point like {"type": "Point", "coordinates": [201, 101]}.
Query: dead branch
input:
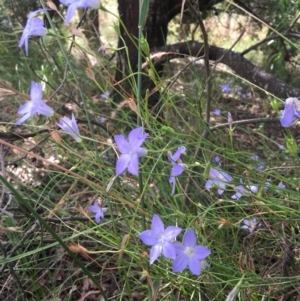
{"type": "Point", "coordinates": [233, 60]}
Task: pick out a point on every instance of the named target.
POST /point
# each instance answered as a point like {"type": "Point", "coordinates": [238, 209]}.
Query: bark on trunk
{"type": "Point", "coordinates": [155, 31]}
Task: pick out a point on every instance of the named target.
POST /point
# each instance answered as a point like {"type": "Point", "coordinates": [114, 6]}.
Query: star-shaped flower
{"type": "Point", "coordinates": [241, 190]}
{"type": "Point", "coordinates": [34, 27]}
{"type": "Point", "coordinates": [217, 112]}
{"type": "Point", "coordinates": [74, 4]}
{"type": "Point", "coordinates": [105, 95]}
{"type": "Point", "coordinates": [178, 167]}
{"type": "Point", "coordinates": [160, 239]}
{"type": "Point", "coordinates": [189, 254]}
{"type": "Point", "coordinates": [291, 112]}
{"type": "Point", "coordinates": [35, 106]}
{"type": "Point", "coordinates": [99, 212]}
{"type": "Point", "coordinates": [70, 127]}
{"type": "Point", "coordinates": [218, 178]}
{"type": "Point", "coordinates": [250, 225]}
{"type": "Point", "coordinates": [131, 151]}
{"type": "Point", "coordinates": [225, 88]}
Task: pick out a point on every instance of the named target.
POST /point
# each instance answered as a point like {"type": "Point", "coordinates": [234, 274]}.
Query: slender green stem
{"type": "Point", "coordinates": [69, 65]}
{"type": "Point", "coordinates": [49, 229]}
{"type": "Point", "coordinates": [143, 12]}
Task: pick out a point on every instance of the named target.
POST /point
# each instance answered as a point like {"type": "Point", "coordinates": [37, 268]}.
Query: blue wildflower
{"type": "Point", "coordinates": [225, 88]}
{"type": "Point", "coordinates": [217, 178]}
{"type": "Point", "coordinates": [160, 239]}
{"type": "Point", "coordinates": [131, 151]}
{"type": "Point", "coordinates": [34, 27]}
{"type": "Point", "coordinates": [188, 254]}
{"type": "Point", "coordinates": [291, 112]}
{"type": "Point", "coordinates": [99, 212]}
{"type": "Point", "coordinates": [70, 127]}
{"type": "Point", "coordinates": [250, 225]}
{"type": "Point", "coordinates": [242, 190]}
{"type": "Point", "coordinates": [217, 112]}
{"type": "Point", "coordinates": [178, 167]}
{"type": "Point", "coordinates": [35, 106]}
{"type": "Point", "coordinates": [74, 4]}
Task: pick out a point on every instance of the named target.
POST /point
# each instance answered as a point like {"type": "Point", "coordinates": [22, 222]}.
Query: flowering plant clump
{"type": "Point", "coordinates": [35, 106]}
{"type": "Point", "coordinates": [131, 151]}
{"type": "Point", "coordinates": [74, 4]}
{"type": "Point", "coordinates": [178, 167]}
{"type": "Point", "coordinates": [160, 239]}
{"type": "Point", "coordinates": [99, 212]}
{"type": "Point", "coordinates": [70, 127]}
{"type": "Point", "coordinates": [186, 254]}
{"type": "Point", "coordinates": [34, 27]}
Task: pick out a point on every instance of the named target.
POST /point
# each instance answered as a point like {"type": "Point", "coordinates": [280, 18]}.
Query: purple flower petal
{"type": "Point", "coordinates": [288, 115]}
{"type": "Point", "coordinates": [70, 12]}
{"type": "Point", "coordinates": [122, 143]}
{"type": "Point", "coordinates": [209, 184]}
{"type": "Point", "coordinates": [180, 263]}
{"type": "Point", "coordinates": [141, 152]}
{"type": "Point", "coordinates": [171, 233]}
{"type": "Point", "coordinates": [133, 166]}
{"type": "Point", "coordinates": [155, 252]}
{"type": "Point", "coordinates": [181, 150]}
{"type": "Point", "coordinates": [157, 224]}
{"type": "Point", "coordinates": [149, 237]}
{"type": "Point", "coordinates": [195, 266]}
{"type": "Point", "coordinates": [179, 247]}
{"type": "Point", "coordinates": [74, 4]}
{"type": "Point", "coordinates": [189, 238]}
{"type": "Point", "coordinates": [177, 170]}
{"type": "Point", "coordinates": [201, 252]}
{"type": "Point", "coordinates": [122, 163]}
{"type": "Point", "coordinates": [168, 250]}
{"type": "Point", "coordinates": [136, 138]}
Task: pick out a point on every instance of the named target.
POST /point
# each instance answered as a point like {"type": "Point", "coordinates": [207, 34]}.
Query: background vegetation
{"type": "Point", "coordinates": [51, 248]}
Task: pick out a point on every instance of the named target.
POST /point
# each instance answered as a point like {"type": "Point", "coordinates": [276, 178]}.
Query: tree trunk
{"type": "Point", "coordinates": [155, 31]}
